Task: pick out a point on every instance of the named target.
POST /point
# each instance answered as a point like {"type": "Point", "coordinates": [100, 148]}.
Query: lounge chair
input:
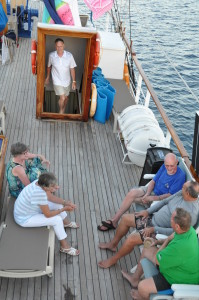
{"type": "Point", "coordinates": [25, 252]}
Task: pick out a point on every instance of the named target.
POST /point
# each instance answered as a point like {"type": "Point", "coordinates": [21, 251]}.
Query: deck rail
{"type": "Point", "coordinates": [142, 78]}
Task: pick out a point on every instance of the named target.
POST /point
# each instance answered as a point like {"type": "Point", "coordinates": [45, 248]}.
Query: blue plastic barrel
{"type": "Point", "coordinates": [100, 114]}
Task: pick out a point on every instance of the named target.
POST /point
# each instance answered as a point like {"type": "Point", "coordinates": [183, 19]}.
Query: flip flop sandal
{"type": "Point", "coordinates": [72, 225]}
{"type": "Point", "coordinates": [70, 251]}
{"type": "Point", "coordinates": [108, 225]}
{"type": "Point", "coordinates": [99, 227]}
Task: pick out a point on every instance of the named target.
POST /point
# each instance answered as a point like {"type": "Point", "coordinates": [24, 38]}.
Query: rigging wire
{"type": "Point", "coordinates": [166, 56]}
{"type": "Point", "coordinates": [130, 19]}
{"type": "Point", "coordinates": [117, 11]}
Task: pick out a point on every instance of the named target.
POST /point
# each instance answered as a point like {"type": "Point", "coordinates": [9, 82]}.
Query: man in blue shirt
{"type": "Point", "coordinates": [168, 181]}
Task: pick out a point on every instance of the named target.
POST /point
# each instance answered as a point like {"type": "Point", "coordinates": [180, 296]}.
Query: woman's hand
{"type": "Point", "coordinates": [42, 157]}
{"type": "Point", "coordinates": [70, 204]}
{"type": "Point", "coordinates": [45, 161]}
{"type": "Point", "coordinates": [68, 208]}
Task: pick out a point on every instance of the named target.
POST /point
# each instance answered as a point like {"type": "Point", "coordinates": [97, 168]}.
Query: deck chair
{"type": "Point", "coordinates": [25, 252]}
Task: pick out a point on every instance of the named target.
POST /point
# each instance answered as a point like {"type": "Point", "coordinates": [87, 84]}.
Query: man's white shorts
{"type": "Point", "coordinates": [61, 90]}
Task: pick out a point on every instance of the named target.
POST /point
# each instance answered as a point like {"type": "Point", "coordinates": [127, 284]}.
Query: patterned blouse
{"type": "Point", "coordinates": [33, 169]}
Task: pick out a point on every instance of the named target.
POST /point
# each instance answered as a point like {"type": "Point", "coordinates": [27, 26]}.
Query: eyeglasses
{"type": "Point", "coordinates": [171, 166]}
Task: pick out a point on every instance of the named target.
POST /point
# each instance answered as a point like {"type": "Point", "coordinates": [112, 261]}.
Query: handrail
{"type": "Point", "coordinates": [159, 106]}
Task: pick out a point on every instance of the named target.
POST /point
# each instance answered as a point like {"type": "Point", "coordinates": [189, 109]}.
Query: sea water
{"type": "Point", "coordinates": [165, 37]}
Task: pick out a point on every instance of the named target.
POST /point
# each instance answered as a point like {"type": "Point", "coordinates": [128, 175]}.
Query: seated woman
{"type": "Point", "coordinates": [32, 209]}
{"type": "Point", "coordinates": [23, 168]}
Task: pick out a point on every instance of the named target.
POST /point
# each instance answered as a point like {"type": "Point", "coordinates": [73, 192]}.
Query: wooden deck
{"type": "Point", "coordinates": [86, 158]}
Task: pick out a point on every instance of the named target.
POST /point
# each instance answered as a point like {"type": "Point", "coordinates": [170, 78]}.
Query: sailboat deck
{"type": "Point", "coordinates": [87, 160]}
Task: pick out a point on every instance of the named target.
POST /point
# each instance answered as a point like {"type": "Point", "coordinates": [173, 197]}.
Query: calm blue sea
{"type": "Point", "coordinates": [162, 31]}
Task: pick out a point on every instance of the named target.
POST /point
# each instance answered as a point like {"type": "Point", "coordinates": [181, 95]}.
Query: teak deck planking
{"type": "Point", "coordinates": [87, 160]}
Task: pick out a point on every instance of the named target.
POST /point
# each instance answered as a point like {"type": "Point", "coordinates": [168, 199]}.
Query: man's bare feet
{"type": "Point", "coordinates": [107, 246]}
{"type": "Point", "coordinates": [130, 279]}
{"type": "Point", "coordinates": [135, 295]}
{"type": "Point", "coordinates": [107, 263]}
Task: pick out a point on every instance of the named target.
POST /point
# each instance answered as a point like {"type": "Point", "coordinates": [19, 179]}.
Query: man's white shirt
{"type": "Point", "coordinates": [61, 67]}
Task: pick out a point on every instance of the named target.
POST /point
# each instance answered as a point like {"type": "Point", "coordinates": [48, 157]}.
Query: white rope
{"type": "Point", "coordinates": [169, 60]}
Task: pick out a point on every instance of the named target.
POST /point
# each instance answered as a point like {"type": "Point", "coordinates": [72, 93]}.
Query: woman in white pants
{"type": "Point", "coordinates": [33, 209]}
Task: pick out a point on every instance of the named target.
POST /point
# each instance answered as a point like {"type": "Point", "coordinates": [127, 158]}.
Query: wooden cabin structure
{"type": "Point", "coordinates": [80, 41]}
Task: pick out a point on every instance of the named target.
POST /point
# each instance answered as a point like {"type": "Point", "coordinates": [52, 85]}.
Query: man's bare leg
{"type": "Point", "coordinates": [127, 221]}
{"type": "Point", "coordinates": [132, 240]}
{"type": "Point", "coordinates": [135, 278]}
{"type": "Point", "coordinates": [126, 204]}
{"type": "Point", "coordinates": [62, 103]}
{"type": "Point", "coordinates": [145, 288]}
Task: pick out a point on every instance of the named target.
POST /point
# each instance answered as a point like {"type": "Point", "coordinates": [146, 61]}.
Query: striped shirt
{"type": "Point", "coordinates": [28, 203]}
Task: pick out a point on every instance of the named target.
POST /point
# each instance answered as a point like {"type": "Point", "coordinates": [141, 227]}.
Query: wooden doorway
{"type": "Point", "coordinates": [81, 43]}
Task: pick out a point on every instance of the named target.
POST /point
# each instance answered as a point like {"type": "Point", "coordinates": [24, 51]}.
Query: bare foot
{"type": "Point", "coordinates": [107, 246]}
{"type": "Point", "coordinates": [135, 295]}
{"type": "Point", "coordinates": [107, 263]}
{"type": "Point", "coordinates": [130, 279]}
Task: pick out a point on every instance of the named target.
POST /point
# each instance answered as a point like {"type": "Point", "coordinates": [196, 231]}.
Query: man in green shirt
{"type": "Point", "coordinates": [177, 259]}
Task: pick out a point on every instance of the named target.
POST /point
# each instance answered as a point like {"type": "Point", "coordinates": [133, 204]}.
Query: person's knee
{"type": "Point", "coordinates": [62, 98]}
{"type": "Point", "coordinates": [142, 290]}
{"type": "Point", "coordinates": [134, 193]}
{"type": "Point", "coordinates": [134, 239]}
{"type": "Point", "coordinates": [125, 219]}
{"type": "Point", "coordinates": [128, 219]}
{"type": "Point", "coordinates": [58, 220]}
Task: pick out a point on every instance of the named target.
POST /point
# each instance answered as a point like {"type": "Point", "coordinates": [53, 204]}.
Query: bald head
{"type": "Point", "coordinates": [171, 163]}
{"type": "Point", "coordinates": [190, 190]}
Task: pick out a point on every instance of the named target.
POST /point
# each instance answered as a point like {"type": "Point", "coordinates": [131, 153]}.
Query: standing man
{"type": "Point", "coordinates": [62, 65]}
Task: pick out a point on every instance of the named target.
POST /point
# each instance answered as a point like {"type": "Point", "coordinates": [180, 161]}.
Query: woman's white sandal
{"type": "Point", "coordinates": [70, 251]}
{"type": "Point", "coordinates": [71, 225]}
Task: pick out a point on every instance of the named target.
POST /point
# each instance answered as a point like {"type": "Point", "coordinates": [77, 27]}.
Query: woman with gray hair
{"type": "Point", "coordinates": [23, 168]}
{"type": "Point", "coordinates": [33, 209]}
